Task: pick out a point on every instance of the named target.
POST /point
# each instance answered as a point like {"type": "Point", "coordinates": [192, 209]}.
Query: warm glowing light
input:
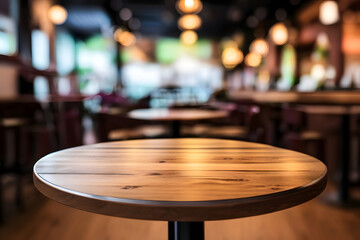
{"type": "Point", "coordinates": [230, 44]}
{"type": "Point", "coordinates": [279, 34]}
{"type": "Point", "coordinates": [117, 33]}
{"type": "Point", "coordinates": [322, 40]}
{"type": "Point", "coordinates": [231, 57]}
{"type": "Point", "coordinates": [188, 37]}
{"type": "Point", "coordinates": [189, 6]}
{"type": "Point", "coordinates": [329, 12]}
{"type": "Point", "coordinates": [318, 72]}
{"type": "Point", "coordinates": [264, 76]}
{"type": "Point", "coordinates": [125, 38]}
{"type": "Point", "coordinates": [189, 3]}
{"type": "Point", "coordinates": [263, 80]}
{"type": "Point", "coordinates": [57, 14]}
{"type": "Point", "coordinates": [253, 59]}
{"type": "Point", "coordinates": [189, 22]}
{"type": "Point", "coordinates": [259, 46]}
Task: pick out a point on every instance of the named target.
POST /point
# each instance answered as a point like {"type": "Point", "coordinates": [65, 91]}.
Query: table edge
{"type": "Point", "coordinates": [182, 210]}
{"type": "Point", "coordinates": [225, 114]}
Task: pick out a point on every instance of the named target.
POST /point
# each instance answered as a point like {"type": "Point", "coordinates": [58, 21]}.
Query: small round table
{"type": "Point", "coordinates": [184, 181]}
{"type": "Point", "coordinates": [176, 116]}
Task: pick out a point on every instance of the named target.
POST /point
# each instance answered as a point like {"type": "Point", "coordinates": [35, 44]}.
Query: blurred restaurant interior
{"type": "Point", "coordinates": [79, 72]}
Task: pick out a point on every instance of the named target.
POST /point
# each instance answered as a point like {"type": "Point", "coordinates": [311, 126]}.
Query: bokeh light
{"type": "Point", "coordinates": [188, 37]}
{"type": "Point", "coordinates": [329, 12]}
{"type": "Point", "coordinates": [259, 46]}
{"type": "Point", "coordinates": [189, 6]}
{"type": "Point", "coordinates": [124, 37]}
{"type": "Point", "coordinates": [189, 22]}
{"type": "Point", "coordinates": [57, 14]}
{"type": "Point", "coordinates": [323, 41]}
{"type": "Point", "coordinates": [279, 34]}
{"type": "Point", "coordinates": [318, 71]}
{"type": "Point", "coordinates": [253, 59]}
{"type": "Point", "coordinates": [231, 57]}
{"type": "Point", "coordinates": [125, 14]}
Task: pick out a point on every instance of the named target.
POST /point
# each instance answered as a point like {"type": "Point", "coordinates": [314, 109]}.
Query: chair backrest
{"type": "Point", "coordinates": [293, 119]}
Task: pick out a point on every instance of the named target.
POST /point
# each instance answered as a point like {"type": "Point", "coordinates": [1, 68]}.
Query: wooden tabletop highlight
{"type": "Point", "coordinates": [185, 179]}
{"type": "Point", "coordinates": [164, 114]}
{"type": "Point", "coordinates": [317, 97]}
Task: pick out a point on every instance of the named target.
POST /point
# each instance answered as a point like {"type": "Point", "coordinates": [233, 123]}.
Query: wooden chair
{"type": "Point", "coordinates": [18, 145]}
{"type": "Point", "coordinates": [296, 135]}
{"type": "Point", "coordinates": [10, 159]}
{"type": "Point", "coordinates": [242, 123]}
{"type": "Point", "coordinates": [111, 127]}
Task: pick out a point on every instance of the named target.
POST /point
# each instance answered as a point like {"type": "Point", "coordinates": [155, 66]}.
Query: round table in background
{"type": "Point", "coordinates": [183, 181]}
{"type": "Point", "coordinates": [342, 103]}
{"type": "Point", "coordinates": [176, 116]}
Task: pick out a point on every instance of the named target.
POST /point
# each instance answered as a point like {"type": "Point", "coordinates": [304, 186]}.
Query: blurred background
{"type": "Point", "coordinates": [72, 70]}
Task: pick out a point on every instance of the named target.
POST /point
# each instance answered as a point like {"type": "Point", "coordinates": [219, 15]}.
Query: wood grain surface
{"type": "Point", "coordinates": [328, 109]}
{"type": "Point", "coordinates": [164, 114]}
{"type": "Point", "coordinates": [313, 220]}
{"type": "Point", "coordinates": [180, 179]}
{"type": "Point", "coordinates": [318, 97]}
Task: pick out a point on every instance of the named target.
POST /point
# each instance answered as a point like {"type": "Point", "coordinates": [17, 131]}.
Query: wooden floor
{"type": "Point", "coordinates": [47, 220]}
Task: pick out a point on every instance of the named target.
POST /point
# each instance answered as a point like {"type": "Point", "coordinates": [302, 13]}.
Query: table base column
{"type": "Point", "coordinates": [186, 230]}
{"type": "Point", "coordinates": [175, 129]}
{"type": "Point", "coordinates": [342, 197]}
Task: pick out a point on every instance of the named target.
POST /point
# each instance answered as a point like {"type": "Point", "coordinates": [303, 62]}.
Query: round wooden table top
{"type": "Point", "coordinates": [184, 179]}
{"type": "Point", "coordinates": [164, 114]}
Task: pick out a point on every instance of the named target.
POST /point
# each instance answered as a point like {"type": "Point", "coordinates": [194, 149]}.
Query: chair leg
{"type": "Point", "coordinates": [321, 150]}
{"type": "Point", "coordinates": [18, 169]}
{"type": "Point", "coordinates": [2, 166]}
{"type": "Point", "coordinates": [1, 201]}
{"type": "Point", "coordinates": [19, 191]}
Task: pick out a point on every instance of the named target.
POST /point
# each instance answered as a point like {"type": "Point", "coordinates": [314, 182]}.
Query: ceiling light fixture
{"type": "Point", "coordinates": [259, 46]}
{"type": "Point", "coordinates": [189, 22]}
{"type": "Point", "coordinates": [188, 37]}
{"type": "Point", "coordinates": [189, 6]}
{"type": "Point", "coordinates": [231, 57]}
{"type": "Point", "coordinates": [329, 12]}
{"type": "Point", "coordinates": [253, 59]}
{"type": "Point", "coordinates": [279, 34]}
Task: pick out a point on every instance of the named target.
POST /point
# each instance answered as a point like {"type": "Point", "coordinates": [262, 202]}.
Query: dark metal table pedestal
{"type": "Point", "coordinates": [175, 129]}
{"type": "Point", "coordinates": [186, 230]}
{"type": "Point", "coordinates": [345, 158]}
{"type": "Point", "coordinates": [342, 197]}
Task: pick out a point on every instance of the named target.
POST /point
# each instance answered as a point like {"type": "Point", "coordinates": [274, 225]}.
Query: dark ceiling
{"type": "Point", "coordinates": [159, 17]}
